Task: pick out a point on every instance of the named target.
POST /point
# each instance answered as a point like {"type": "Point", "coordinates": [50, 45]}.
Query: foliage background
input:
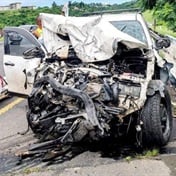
{"type": "Point", "coordinates": [164, 11]}
{"type": "Point", "coordinates": [28, 16]}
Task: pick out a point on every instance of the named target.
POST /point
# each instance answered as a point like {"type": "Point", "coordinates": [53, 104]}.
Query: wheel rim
{"type": "Point", "coordinates": [165, 123]}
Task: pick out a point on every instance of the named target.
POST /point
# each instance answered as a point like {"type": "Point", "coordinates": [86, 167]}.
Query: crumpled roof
{"type": "Point", "coordinates": [93, 38]}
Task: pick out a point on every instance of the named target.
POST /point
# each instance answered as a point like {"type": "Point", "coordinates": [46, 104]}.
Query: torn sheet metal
{"type": "Point", "coordinates": [169, 56]}
{"type": "Point", "coordinates": [3, 88]}
{"type": "Point", "coordinates": [93, 38]}
{"type": "Point", "coordinates": [168, 63]}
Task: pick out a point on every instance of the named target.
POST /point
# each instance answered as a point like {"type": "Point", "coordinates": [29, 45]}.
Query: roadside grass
{"type": "Point", "coordinates": [148, 15]}
{"type": "Point", "coordinates": [147, 154]}
{"type": "Point", "coordinates": [1, 38]}
{"type": "Point", "coordinates": [160, 26]}
{"type": "Point", "coordinates": [28, 171]}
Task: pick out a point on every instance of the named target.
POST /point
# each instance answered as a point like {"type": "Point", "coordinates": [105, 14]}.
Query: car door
{"type": "Point", "coordinates": [19, 71]}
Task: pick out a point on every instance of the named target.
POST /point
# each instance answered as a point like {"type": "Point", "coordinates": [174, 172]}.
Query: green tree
{"type": "Point", "coordinates": [147, 4]}
{"type": "Point", "coordinates": [54, 5]}
{"type": "Point", "coordinates": [166, 13]}
{"type": "Point", "coordinates": [28, 16]}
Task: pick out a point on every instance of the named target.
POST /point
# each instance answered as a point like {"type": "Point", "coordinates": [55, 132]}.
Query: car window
{"type": "Point", "coordinates": [16, 44]}
{"type": "Point", "coordinates": [132, 28]}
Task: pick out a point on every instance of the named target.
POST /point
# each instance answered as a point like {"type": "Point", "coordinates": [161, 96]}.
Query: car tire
{"type": "Point", "coordinates": [157, 120]}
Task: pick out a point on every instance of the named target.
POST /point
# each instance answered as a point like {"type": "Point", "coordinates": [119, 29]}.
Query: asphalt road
{"type": "Point", "coordinates": [116, 161]}
{"type": "Point", "coordinates": [92, 162]}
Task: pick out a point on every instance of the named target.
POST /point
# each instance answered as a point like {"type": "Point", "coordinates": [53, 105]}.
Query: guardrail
{"type": "Point", "coordinates": [173, 39]}
{"type": "Point", "coordinates": [113, 11]}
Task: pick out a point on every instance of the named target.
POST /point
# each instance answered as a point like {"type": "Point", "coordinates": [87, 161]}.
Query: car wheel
{"type": "Point", "coordinates": [157, 120]}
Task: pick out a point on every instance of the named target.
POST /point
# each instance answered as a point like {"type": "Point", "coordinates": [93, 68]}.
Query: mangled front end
{"type": "Point", "coordinates": [89, 97]}
{"type": "Point", "coordinates": [84, 104]}
{"type": "Point", "coordinates": [73, 102]}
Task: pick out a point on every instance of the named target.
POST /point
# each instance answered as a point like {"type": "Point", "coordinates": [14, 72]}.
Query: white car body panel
{"type": "Point", "coordinates": [19, 71]}
{"type": "Point", "coordinates": [93, 38]}
{"type": "Point", "coordinates": [15, 75]}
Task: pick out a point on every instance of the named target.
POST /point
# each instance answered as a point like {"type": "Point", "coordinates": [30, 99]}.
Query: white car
{"type": "Point", "coordinates": [94, 76]}
{"type": "Point", "coordinates": [20, 71]}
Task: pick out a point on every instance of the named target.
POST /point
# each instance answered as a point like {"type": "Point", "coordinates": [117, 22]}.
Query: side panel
{"type": "Point", "coordinates": [19, 71]}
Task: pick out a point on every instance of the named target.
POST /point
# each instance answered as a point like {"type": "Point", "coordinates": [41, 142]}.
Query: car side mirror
{"type": "Point", "coordinates": [15, 39]}
{"type": "Point", "coordinates": [35, 52]}
{"type": "Point", "coordinates": [163, 43]}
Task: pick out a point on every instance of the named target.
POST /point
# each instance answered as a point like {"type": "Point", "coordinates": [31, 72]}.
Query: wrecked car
{"type": "Point", "coordinates": [95, 77]}
{"type": "Point", "coordinates": [3, 88]}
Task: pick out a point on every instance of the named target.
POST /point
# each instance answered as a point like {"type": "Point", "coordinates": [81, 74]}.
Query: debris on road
{"type": "Point", "coordinates": [3, 88]}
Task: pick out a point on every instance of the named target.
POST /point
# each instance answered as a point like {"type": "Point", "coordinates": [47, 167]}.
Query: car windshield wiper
{"type": "Point", "coordinates": [124, 27]}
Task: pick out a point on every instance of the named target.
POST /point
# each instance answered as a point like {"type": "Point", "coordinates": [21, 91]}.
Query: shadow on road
{"type": "Point", "coordinates": [107, 148]}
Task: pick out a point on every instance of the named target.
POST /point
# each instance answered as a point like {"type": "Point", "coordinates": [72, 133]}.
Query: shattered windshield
{"type": "Point", "coordinates": [132, 28]}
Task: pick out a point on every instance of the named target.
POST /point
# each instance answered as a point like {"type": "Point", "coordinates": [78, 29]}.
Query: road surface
{"type": "Point", "coordinates": [92, 162]}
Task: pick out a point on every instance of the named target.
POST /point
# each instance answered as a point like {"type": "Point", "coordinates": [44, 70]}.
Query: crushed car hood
{"type": "Point", "coordinates": [92, 38]}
